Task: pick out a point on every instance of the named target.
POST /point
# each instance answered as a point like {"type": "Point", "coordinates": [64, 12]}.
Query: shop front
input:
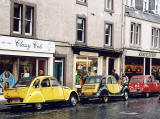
{"type": "Point", "coordinates": [20, 57]}
{"type": "Point", "coordinates": [142, 63]}
{"type": "Point", "coordinates": [91, 62]}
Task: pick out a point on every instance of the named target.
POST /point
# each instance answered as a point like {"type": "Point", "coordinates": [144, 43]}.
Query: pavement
{"type": "Point", "coordinates": [2, 98]}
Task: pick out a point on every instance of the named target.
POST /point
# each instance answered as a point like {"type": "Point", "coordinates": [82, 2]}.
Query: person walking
{"type": "Point", "coordinates": [125, 80]}
{"type": "Point", "coordinates": [115, 74]}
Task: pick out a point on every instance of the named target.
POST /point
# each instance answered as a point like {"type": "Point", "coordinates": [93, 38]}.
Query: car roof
{"type": "Point", "coordinates": [100, 76]}
{"type": "Point", "coordinates": [140, 76]}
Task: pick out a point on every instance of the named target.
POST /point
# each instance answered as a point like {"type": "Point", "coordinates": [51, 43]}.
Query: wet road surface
{"type": "Point", "coordinates": [135, 108]}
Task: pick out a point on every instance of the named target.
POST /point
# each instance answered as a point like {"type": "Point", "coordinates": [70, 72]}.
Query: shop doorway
{"type": "Point", "coordinates": [110, 65]}
{"type": "Point", "coordinates": [147, 66]}
{"type": "Point", "coordinates": [59, 71]}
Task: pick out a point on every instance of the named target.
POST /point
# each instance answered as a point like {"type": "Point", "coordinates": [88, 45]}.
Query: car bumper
{"type": "Point", "coordinates": [88, 96]}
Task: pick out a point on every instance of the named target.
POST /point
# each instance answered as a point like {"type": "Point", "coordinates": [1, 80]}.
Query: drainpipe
{"type": "Point", "coordinates": [123, 37]}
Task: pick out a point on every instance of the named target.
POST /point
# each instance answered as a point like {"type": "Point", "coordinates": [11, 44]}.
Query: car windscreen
{"type": "Point", "coordinates": [24, 82]}
{"type": "Point", "coordinates": [92, 80]}
{"type": "Point", "coordinates": [135, 79]}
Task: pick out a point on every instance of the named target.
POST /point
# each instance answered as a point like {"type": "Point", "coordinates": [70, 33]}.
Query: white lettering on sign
{"type": "Point", "coordinates": [22, 44]}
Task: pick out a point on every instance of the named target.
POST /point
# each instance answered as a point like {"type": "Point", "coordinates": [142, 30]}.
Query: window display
{"type": "Point", "coordinates": [27, 67]}
{"type": "Point", "coordinates": [85, 66]}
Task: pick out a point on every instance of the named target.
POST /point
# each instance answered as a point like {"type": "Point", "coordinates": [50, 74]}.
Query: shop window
{"type": "Point", "coordinates": [155, 38]}
{"type": "Point", "coordinates": [87, 63]}
{"type": "Point", "coordinates": [135, 34]}
{"type": "Point", "coordinates": [8, 71]}
{"type": "Point", "coordinates": [45, 83]}
{"type": "Point", "coordinates": [41, 67]}
{"type": "Point", "coordinates": [81, 29]}
{"type": "Point", "coordinates": [23, 22]}
{"type": "Point", "coordinates": [85, 66]}
{"type": "Point", "coordinates": [27, 67]}
{"type": "Point", "coordinates": [108, 34]}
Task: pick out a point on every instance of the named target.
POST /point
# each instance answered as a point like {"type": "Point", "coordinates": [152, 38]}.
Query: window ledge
{"type": "Point", "coordinates": [155, 48]}
{"type": "Point", "coordinates": [82, 3]}
{"type": "Point", "coordinates": [107, 46]}
{"type": "Point", "coordinates": [135, 46]}
{"type": "Point", "coordinates": [21, 36]}
{"type": "Point", "coordinates": [80, 43]}
{"type": "Point", "coordinates": [109, 10]}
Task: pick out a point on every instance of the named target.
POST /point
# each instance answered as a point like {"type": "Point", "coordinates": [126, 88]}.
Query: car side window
{"type": "Point", "coordinates": [36, 83]}
{"type": "Point", "coordinates": [109, 80]}
{"type": "Point", "coordinates": [149, 80]}
{"type": "Point", "coordinates": [104, 81]}
{"type": "Point", "coordinates": [54, 83]}
{"type": "Point", "coordinates": [114, 81]}
{"type": "Point", "coordinates": [45, 83]}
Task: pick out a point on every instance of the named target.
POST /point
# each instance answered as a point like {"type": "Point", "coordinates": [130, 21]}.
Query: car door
{"type": "Point", "coordinates": [109, 84]}
{"type": "Point", "coordinates": [35, 93]}
{"type": "Point", "coordinates": [149, 84]}
{"type": "Point", "coordinates": [57, 90]}
{"type": "Point", "coordinates": [46, 89]}
{"type": "Point", "coordinates": [116, 88]}
{"type": "Point", "coordinates": [155, 85]}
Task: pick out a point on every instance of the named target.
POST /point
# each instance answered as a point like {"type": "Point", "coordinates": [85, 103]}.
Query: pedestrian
{"type": "Point", "coordinates": [115, 74]}
{"type": "Point", "coordinates": [84, 76]}
{"type": "Point", "coordinates": [41, 72]}
{"type": "Point", "coordinates": [125, 80]}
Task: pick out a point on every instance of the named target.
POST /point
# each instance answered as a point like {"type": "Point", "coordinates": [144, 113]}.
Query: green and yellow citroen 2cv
{"type": "Point", "coordinates": [103, 87]}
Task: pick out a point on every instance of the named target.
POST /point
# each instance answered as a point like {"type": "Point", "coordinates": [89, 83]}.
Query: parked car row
{"type": "Point", "coordinates": [37, 91]}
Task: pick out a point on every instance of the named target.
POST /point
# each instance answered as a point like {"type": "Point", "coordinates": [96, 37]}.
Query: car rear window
{"type": "Point", "coordinates": [92, 81]}
{"type": "Point", "coordinates": [24, 82]}
{"type": "Point", "coordinates": [136, 79]}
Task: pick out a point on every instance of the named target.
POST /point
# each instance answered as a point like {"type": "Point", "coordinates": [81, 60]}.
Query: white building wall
{"type": "Point", "coordinates": [146, 32]}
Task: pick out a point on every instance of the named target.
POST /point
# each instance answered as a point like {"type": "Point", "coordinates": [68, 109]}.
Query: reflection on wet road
{"type": "Point", "coordinates": [134, 108]}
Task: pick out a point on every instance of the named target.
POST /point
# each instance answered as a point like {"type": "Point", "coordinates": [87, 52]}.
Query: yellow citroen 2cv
{"type": "Point", "coordinates": [36, 91]}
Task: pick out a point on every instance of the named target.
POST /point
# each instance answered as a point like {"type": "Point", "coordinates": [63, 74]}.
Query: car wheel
{"type": "Point", "coordinates": [147, 95]}
{"type": "Point", "coordinates": [73, 100]}
{"type": "Point", "coordinates": [38, 106]}
{"type": "Point", "coordinates": [105, 99]}
{"type": "Point", "coordinates": [125, 96]}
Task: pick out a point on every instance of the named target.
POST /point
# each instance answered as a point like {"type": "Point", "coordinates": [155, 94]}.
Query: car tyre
{"type": "Point", "coordinates": [38, 106]}
{"type": "Point", "coordinates": [147, 95]}
{"type": "Point", "coordinates": [73, 100]}
{"type": "Point", "coordinates": [125, 96]}
{"type": "Point", "coordinates": [105, 99]}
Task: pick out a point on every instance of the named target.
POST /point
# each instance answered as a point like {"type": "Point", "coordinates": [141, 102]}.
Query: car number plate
{"type": "Point", "coordinates": [133, 91]}
{"type": "Point", "coordinates": [15, 100]}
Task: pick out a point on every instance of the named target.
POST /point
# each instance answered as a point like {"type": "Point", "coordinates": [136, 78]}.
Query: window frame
{"type": "Point", "coordinates": [85, 2]}
{"type": "Point", "coordinates": [107, 9]}
{"type": "Point", "coordinates": [84, 30]}
{"type": "Point", "coordinates": [47, 86]}
{"type": "Point", "coordinates": [34, 18]}
{"type": "Point", "coordinates": [134, 34]}
{"type": "Point", "coordinates": [110, 42]}
{"type": "Point", "coordinates": [155, 39]}
{"type": "Point", "coordinates": [31, 21]}
{"type": "Point", "coordinates": [54, 85]}
{"type": "Point", "coordinates": [20, 19]}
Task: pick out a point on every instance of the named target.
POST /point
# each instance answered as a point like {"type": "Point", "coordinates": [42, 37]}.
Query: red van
{"type": "Point", "coordinates": [143, 84]}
